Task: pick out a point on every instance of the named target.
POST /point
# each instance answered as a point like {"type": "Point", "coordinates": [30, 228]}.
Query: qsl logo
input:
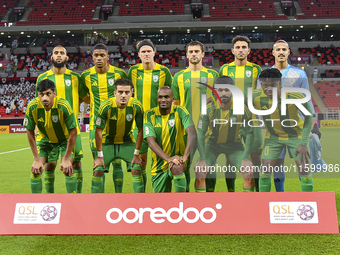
{"type": "Point", "coordinates": [49, 213]}
{"type": "Point", "coordinates": [305, 212]}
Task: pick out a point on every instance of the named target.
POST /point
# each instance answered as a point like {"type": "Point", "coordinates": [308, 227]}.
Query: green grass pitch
{"type": "Point", "coordinates": [15, 171]}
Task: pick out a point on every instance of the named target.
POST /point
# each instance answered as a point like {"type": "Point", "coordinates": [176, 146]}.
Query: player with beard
{"type": "Point", "coordinates": [58, 132]}
{"type": "Point", "coordinates": [99, 82]}
{"type": "Point", "coordinates": [187, 85]}
{"type": "Point", "coordinates": [164, 129]}
{"type": "Point", "coordinates": [295, 77]}
{"type": "Point", "coordinates": [224, 138]}
{"type": "Point", "coordinates": [69, 87]}
{"type": "Point", "coordinates": [244, 74]}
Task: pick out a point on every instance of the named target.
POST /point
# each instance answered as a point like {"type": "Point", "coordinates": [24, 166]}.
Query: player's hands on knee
{"type": "Point", "coordinates": [304, 154]}
{"type": "Point", "coordinates": [201, 169]}
{"type": "Point", "coordinates": [175, 160]}
{"type": "Point", "coordinates": [247, 169]}
{"type": "Point", "coordinates": [98, 162]}
{"type": "Point", "coordinates": [66, 166]}
{"type": "Point", "coordinates": [37, 168]}
{"type": "Point", "coordinates": [136, 159]}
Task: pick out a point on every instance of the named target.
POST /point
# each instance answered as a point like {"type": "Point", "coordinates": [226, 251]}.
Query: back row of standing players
{"type": "Point", "coordinates": [167, 112]}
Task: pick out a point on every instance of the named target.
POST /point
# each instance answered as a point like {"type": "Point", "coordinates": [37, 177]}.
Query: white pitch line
{"type": "Point", "coordinates": [26, 148]}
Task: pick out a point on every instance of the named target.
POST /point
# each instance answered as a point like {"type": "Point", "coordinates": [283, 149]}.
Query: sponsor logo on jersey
{"type": "Point", "coordinates": [40, 120]}
{"type": "Point", "coordinates": [248, 73]}
{"type": "Point", "coordinates": [68, 82]}
{"type": "Point", "coordinates": [129, 117]}
{"type": "Point", "coordinates": [171, 122]}
{"type": "Point", "coordinates": [187, 81]}
{"type": "Point", "coordinates": [98, 121]}
{"type": "Point", "coordinates": [80, 152]}
{"type": "Point", "coordinates": [113, 118]}
{"type": "Point", "coordinates": [140, 77]}
{"type": "Point", "coordinates": [111, 82]}
{"type": "Point", "coordinates": [264, 107]}
{"type": "Point", "coordinates": [158, 125]}
{"type": "Point", "coordinates": [94, 84]}
{"type": "Point", "coordinates": [231, 74]}
{"type": "Point", "coordinates": [155, 78]}
{"type": "Point", "coordinates": [55, 118]}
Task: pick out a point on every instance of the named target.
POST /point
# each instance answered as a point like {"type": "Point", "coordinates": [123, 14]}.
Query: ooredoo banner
{"type": "Point", "coordinates": [169, 213]}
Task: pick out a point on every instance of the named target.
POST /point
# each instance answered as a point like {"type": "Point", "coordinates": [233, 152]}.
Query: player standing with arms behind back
{"type": "Point", "coordinates": [99, 81]}
{"type": "Point", "coordinates": [244, 74]}
{"type": "Point", "coordinates": [147, 78]}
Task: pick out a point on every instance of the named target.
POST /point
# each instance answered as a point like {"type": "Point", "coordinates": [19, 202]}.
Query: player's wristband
{"type": "Point", "coordinates": [100, 154]}
{"type": "Point", "coordinates": [136, 152]}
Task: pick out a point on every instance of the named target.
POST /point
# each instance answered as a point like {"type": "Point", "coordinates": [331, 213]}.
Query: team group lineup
{"type": "Point", "coordinates": [148, 108]}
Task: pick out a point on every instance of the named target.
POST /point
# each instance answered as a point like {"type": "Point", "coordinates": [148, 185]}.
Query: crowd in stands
{"type": "Point", "coordinates": [15, 97]}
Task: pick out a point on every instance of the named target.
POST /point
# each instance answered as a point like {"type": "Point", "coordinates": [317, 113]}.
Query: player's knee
{"type": "Point", "coordinates": [256, 158]}
{"type": "Point", "coordinates": [136, 172]}
{"type": "Point", "coordinates": [50, 166]}
{"type": "Point", "coordinates": [177, 169]}
{"type": "Point", "coordinates": [201, 174]}
{"type": "Point", "coordinates": [144, 157]}
{"type": "Point", "coordinates": [98, 173]}
{"type": "Point", "coordinates": [76, 165]}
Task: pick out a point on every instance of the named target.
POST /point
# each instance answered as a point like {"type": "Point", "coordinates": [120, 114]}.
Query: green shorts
{"type": "Point", "coordinates": [272, 148]}
{"type": "Point", "coordinates": [256, 146]}
{"type": "Point", "coordinates": [144, 147]}
{"type": "Point", "coordinates": [48, 150]}
{"type": "Point", "coordinates": [93, 145]}
{"type": "Point", "coordinates": [233, 151]}
{"type": "Point", "coordinates": [123, 151]}
{"type": "Point", "coordinates": [78, 151]}
{"type": "Point", "coordinates": [162, 182]}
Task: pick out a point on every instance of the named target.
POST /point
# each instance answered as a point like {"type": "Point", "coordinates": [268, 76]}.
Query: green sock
{"type": "Point", "coordinates": [256, 179]}
{"type": "Point", "coordinates": [210, 182]}
{"type": "Point", "coordinates": [265, 182]}
{"type": "Point", "coordinates": [230, 181]}
{"type": "Point", "coordinates": [36, 183]}
{"type": "Point", "coordinates": [49, 181]}
{"type": "Point", "coordinates": [248, 190]}
{"type": "Point", "coordinates": [79, 174]}
{"type": "Point", "coordinates": [138, 184]}
{"type": "Point", "coordinates": [71, 183]}
{"type": "Point", "coordinates": [144, 179]}
{"type": "Point", "coordinates": [118, 175]}
{"type": "Point", "coordinates": [97, 184]}
{"type": "Point", "coordinates": [187, 178]}
{"type": "Point", "coordinates": [200, 190]}
{"type": "Point", "coordinates": [307, 183]}
{"type": "Point", "coordinates": [180, 183]}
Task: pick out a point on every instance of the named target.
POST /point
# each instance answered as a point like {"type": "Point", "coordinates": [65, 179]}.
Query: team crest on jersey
{"type": "Point", "coordinates": [171, 123]}
{"type": "Point", "coordinates": [111, 82]}
{"type": "Point", "coordinates": [204, 79]}
{"type": "Point", "coordinates": [55, 118]}
{"type": "Point", "coordinates": [248, 73]}
{"type": "Point", "coordinates": [129, 117]}
{"type": "Point", "coordinates": [25, 121]}
{"type": "Point", "coordinates": [155, 78]}
{"type": "Point", "coordinates": [68, 82]}
{"type": "Point", "coordinates": [98, 121]}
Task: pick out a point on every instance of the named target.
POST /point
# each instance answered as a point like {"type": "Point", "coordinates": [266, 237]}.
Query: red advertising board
{"type": "Point", "coordinates": [169, 213]}
{"type": "Point", "coordinates": [17, 129]}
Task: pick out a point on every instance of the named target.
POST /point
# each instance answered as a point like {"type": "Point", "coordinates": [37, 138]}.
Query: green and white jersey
{"type": "Point", "coordinates": [68, 86]}
{"type": "Point", "coordinates": [147, 83]}
{"type": "Point", "coordinates": [54, 124]}
{"type": "Point", "coordinates": [117, 123]}
{"type": "Point", "coordinates": [169, 131]}
{"type": "Point", "coordinates": [100, 86]}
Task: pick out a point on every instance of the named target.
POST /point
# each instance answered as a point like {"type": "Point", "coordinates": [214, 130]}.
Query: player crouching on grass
{"type": "Point", "coordinates": [58, 127]}
{"type": "Point", "coordinates": [294, 135]}
{"type": "Point", "coordinates": [114, 135]}
{"type": "Point", "coordinates": [165, 127]}
{"type": "Point", "coordinates": [224, 138]}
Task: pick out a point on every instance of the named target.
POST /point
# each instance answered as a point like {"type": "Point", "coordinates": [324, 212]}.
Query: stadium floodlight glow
{"type": "Point", "coordinates": [332, 35]}
{"type": "Point", "coordinates": [68, 31]}
{"type": "Point", "coordinates": [280, 26]}
{"type": "Point", "coordinates": [72, 34]}
{"type": "Point", "coordinates": [277, 30]}
{"type": "Point", "coordinates": [326, 26]}
{"type": "Point", "coordinates": [209, 30]}
{"type": "Point", "coordinates": [22, 33]}
{"type": "Point", "coordinates": [301, 26]}
{"type": "Point", "coordinates": [255, 27]}
{"type": "Point", "coordinates": [253, 31]}
{"type": "Point", "coordinates": [48, 32]}
{"type": "Point", "coordinates": [234, 27]}
{"type": "Point", "coordinates": [232, 31]}
{"type": "Point", "coordinates": [188, 31]}
{"type": "Point", "coordinates": [297, 30]}
{"type": "Point", "coordinates": [161, 31]}
{"type": "Point", "coordinates": [2, 33]}
{"type": "Point", "coordinates": [141, 31]}
{"type": "Point", "coordinates": [53, 35]}
{"type": "Point", "coordinates": [28, 36]}
{"type": "Point", "coordinates": [9, 36]}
